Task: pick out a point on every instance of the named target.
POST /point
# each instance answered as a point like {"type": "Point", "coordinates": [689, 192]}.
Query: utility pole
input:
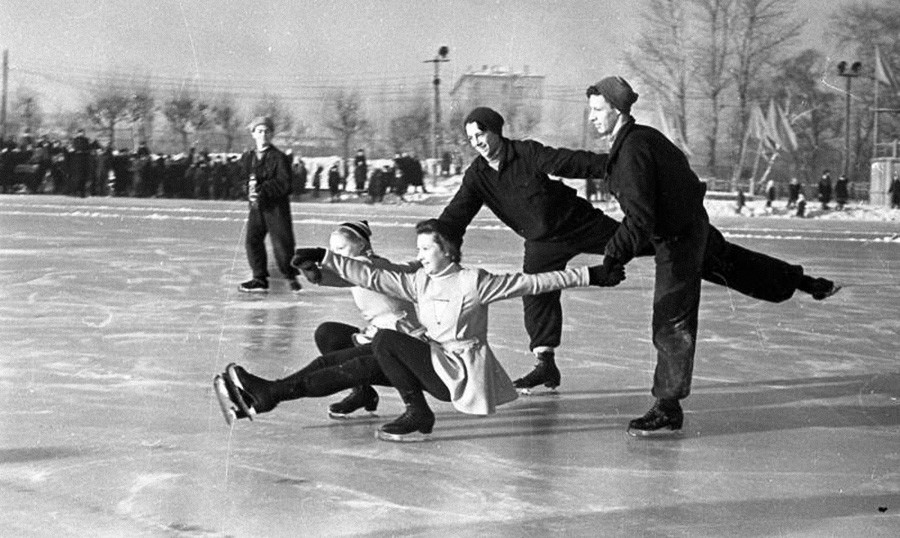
{"type": "Point", "coordinates": [436, 126]}
{"type": "Point", "coordinates": [849, 74]}
{"type": "Point", "coordinates": [3, 95]}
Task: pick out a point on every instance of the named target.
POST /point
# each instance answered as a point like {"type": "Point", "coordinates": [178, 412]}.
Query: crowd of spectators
{"type": "Point", "coordinates": [84, 167]}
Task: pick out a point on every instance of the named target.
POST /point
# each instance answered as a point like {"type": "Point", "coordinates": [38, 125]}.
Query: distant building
{"type": "Point", "coordinates": [518, 96]}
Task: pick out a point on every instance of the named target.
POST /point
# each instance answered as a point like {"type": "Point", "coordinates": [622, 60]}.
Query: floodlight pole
{"type": "Point", "coordinates": [436, 125]}
{"type": "Point", "coordinates": [849, 73]}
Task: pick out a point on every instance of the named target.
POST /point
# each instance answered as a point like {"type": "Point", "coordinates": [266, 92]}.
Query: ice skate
{"type": "Point", "coordinates": [363, 397]}
{"type": "Point", "coordinates": [249, 392]}
{"type": "Point", "coordinates": [230, 410]}
{"type": "Point", "coordinates": [664, 418]}
{"type": "Point", "coordinates": [823, 289]}
{"type": "Point", "coordinates": [544, 373]}
{"type": "Point", "coordinates": [413, 426]}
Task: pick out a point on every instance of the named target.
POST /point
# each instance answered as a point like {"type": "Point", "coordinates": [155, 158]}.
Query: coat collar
{"type": "Point", "coordinates": [620, 138]}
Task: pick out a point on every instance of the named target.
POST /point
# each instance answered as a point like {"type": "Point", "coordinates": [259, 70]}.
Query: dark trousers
{"type": "Point", "coordinates": [331, 373]}
{"type": "Point", "coordinates": [676, 303]}
{"type": "Point", "coordinates": [543, 313]}
{"type": "Point", "coordinates": [276, 222]}
{"type": "Point", "coordinates": [333, 335]}
{"type": "Point", "coordinates": [406, 361]}
{"type": "Point", "coordinates": [752, 273]}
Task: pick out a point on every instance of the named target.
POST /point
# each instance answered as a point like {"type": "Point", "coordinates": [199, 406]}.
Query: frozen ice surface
{"type": "Point", "coordinates": [116, 313]}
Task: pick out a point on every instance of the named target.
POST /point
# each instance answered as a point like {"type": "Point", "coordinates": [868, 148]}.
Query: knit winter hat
{"type": "Point", "coordinates": [616, 91]}
{"type": "Point", "coordinates": [360, 229]}
{"type": "Point", "coordinates": [488, 118]}
{"type": "Point", "coordinates": [262, 120]}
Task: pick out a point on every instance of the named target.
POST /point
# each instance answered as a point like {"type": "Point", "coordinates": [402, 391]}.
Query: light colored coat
{"type": "Point", "coordinates": [453, 308]}
{"type": "Point", "coordinates": [379, 310]}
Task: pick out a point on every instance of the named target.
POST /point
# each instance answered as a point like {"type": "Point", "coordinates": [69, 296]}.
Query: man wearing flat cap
{"type": "Point", "coordinates": [662, 199]}
{"type": "Point", "coordinates": [268, 173]}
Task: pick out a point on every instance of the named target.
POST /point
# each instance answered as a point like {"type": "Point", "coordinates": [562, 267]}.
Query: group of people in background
{"type": "Point", "coordinates": [83, 167]}
{"type": "Point", "coordinates": [838, 191]}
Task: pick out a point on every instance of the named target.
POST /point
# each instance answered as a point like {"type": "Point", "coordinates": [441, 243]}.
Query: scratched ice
{"type": "Point", "coordinates": [115, 314]}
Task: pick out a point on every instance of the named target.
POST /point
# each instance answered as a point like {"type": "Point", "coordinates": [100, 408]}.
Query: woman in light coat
{"type": "Point", "coordinates": [452, 361]}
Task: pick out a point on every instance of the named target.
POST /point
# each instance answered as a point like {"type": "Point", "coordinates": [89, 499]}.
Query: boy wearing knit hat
{"type": "Point", "coordinates": [268, 173]}
{"type": "Point", "coordinates": [662, 199]}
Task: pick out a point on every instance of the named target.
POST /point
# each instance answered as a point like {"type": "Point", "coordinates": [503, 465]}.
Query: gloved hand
{"type": "Point", "coordinates": [607, 275]}
{"type": "Point", "coordinates": [311, 271]}
{"type": "Point", "coordinates": [315, 255]}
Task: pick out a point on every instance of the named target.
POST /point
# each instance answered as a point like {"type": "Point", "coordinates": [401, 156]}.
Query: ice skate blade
{"type": "Point", "coordinates": [253, 292]}
{"type": "Point", "coordinates": [354, 416]}
{"type": "Point", "coordinates": [551, 391]}
{"type": "Point", "coordinates": [414, 437]}
{"type": "Point", "coordinates": [235, 387]}
{"type": "Point", "coordinates": [661, 433]}
{"type": "Point", "coordinates": [225, 403]}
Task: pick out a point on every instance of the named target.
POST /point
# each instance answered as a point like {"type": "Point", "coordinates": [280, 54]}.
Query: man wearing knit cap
{"type": "Point", "coordinates": [662, 199]}
{"type": "Point", "coordinates": [268, 173]}
{"type": "Point", "coordinates": [511, 177]}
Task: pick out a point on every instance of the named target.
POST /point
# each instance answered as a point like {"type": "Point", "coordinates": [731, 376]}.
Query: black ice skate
{"type": "Point", "coordinates": [545, 373]}
{"type": "Point", "coordinates": [362, 397]}
{"type": "Point", "coordinates": [664, 418]}
{"type": "Point", "coordinates": [230, 410]}
{"type": "Point", "coordinates": [415, 425]}
{"type": "Point", "coordinates": [823, 289]}
{"type": "Point", "coordinates": [249, 392]}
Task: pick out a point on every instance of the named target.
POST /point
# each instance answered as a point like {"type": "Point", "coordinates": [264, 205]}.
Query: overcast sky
{"type": "Point", "coordinates": [326, 42]}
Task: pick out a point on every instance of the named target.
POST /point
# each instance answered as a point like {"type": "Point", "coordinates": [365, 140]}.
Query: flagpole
{"type": "Point", "coordinates": [875, 137]}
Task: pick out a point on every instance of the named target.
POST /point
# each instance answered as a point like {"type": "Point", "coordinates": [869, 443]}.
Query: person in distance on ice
{"type": "Point", "coordinates": [511, 177]}
{"type": "Point", "coordinates": [452, 360]}
{"type": "Point", "coordinates": [662, 199]}
{"type": "Point", "coordinates": [268, 172]}
{"type": "Point", "coordinates": [346, 360]}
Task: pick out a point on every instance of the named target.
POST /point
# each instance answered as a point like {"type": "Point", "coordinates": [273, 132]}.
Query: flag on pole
{"type": "Point", "coordinates": [670, 129]}
{"type": "Point", "coordinates": [757, 127]}
{"type": "Point", "coordinates": [772, 126]}
{"type": "Point", "coordinates": [786, 132]}
{"type": "Point", "coordinates": [883, 72]}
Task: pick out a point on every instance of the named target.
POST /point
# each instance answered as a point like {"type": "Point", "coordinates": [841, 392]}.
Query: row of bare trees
{"type": "Point", "coordinates": [708, 63]}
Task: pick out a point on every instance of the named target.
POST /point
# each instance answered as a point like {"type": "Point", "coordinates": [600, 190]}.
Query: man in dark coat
{"type": "Point", "coordinates": [662, 199]}
{"type": "Point", "coordinates": [268, 171]}
{"type": "Point", "coordinates": [360, 170]}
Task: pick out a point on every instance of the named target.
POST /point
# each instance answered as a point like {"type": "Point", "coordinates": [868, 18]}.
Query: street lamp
{"type": "Point", "coordinates": [849, 72]}
{"type": "Point", "coordinates": [436, 127]}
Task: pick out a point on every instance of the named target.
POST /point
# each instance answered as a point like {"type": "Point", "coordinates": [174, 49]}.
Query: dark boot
{"type": "Point", "coordinates": [252, 394]}
{"type": "Point", "coordinates": [663, 414]}
{"type": "Point", "coordinates": [361, 397]}
{"type": "Point", "coordinates": [819, 288]}
{"type": "Point", "coordinates": [413, 425]}
{"type": "Point", "coordinates": [545, 373]}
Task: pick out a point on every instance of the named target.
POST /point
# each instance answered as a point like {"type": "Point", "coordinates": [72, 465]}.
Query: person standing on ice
{"type": "Point", "coordinates": [512, 178]}
{"type": "Point", "coordinates": [662, 199]}
{"type": "Point", "coordinates": [268, 173]}
{"type": "Point", "coordinates": [452, 360]}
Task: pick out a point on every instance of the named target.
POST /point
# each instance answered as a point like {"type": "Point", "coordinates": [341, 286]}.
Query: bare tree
{"type": "Point", "coordinates": [186, 114]}
{"type": "Point", "coordinates": [347, 119]}
{"type": "Point", "coordinates": [141, 107]}
{"type": "Point", "coordinates": [764, 30]}
{"type": "Point", "coordinates": [661, 57]}
{"type": "Point", "coordinates": [224, 115]}
{"type": "Point", "coordinates": [412, 129]}
{"type": "Point", "coordinates": [27, 108]}
{"type": "Point", "coordinates": [864, 26]}
{"type": "Point", "coordinates": [712, 55]}
{"type": "Point", "coordinates": [108, 106]}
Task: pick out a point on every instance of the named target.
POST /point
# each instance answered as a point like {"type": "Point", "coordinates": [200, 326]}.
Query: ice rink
{"type": "Point", "coordinates": [116, 313]}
